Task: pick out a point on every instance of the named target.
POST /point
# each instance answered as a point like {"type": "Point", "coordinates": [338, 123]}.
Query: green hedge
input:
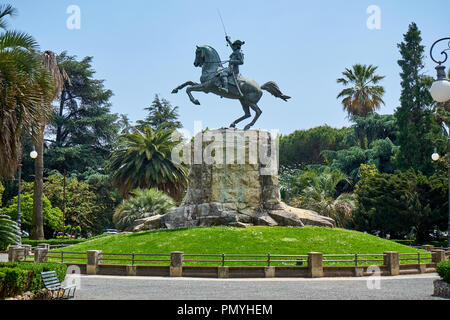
{"type": "Point", "coordinates": [33, 282]}
{"type": "Point", "coordinates": [13, 281]}
{"type": "Point", "coordinates": [443, 269]}
{"type": "Point", "coordinates": [52, 242]}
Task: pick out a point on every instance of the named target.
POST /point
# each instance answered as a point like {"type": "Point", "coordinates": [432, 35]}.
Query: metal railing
{"type": "Point", "coordinates": [416, 257]}
{"type": "Point", "coordinates": [269, 259]}
{"type": "Point", "coordinates": [134, 257]}
{"type": "Point", "coordinates": [357, 258]}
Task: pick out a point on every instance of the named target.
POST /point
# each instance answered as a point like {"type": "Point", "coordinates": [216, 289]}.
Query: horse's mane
{"type": "Point", "coordinates": [215, 53]}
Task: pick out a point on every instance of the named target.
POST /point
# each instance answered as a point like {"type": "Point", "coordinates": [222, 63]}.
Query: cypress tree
{"type": "Point", "coordinates": [418, 131]}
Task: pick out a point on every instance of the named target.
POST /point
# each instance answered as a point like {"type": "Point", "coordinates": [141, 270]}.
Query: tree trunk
{"type": "Point", "coordinates": [37, 230]}
{"type": "Point", "coordinates": [362, 139]}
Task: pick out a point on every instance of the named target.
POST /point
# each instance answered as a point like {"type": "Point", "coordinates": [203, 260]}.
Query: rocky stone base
{"type": "Point", "coordinates": [221, 214]}
{"type": "Point", "coordinates": [38, 295]}
{"type": "Point", "coordinates": [441, 288]}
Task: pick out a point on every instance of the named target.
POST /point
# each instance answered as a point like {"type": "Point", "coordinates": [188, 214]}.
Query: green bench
{"type": "Point", "coordinates": [52, 284]}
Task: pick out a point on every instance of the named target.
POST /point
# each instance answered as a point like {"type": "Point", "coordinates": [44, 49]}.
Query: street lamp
{"type": "Point", "coordinates": [33, 155]}
{"type": "Point", "coordinates": [440, 91]}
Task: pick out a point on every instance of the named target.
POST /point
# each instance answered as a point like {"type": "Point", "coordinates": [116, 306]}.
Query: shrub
{"type": "Point", "coordinates": [35, 283]}
{"type": "Point", "coordinates": [144, 203]}
{"type": "Point", "coordinates": [13, 281]}
{"type": "Point", "coordinates": [52, 215]}
{"type": "Point", "coordinates": [443, 269]}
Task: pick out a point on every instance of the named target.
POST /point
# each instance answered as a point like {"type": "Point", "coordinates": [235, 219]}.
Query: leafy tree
{"type": "Point", "coordinates": [82, 207]}
{"type": "Point", "coordinates": [348, 161]}
{"type": "Point", "coordinates": [82, 122]}
{"type": "Point", "coordinates": [143, 160]}
{"type": "Point", "coordinates": [304, 147]}
{"type": "Point", "coordinates": [52, 215]}
{"type": "Point", "coordinates": [418, 131]}
{"type": "Point", "coordinates": [376, 126]}
{"type": "Point", "coordinates": [142, 204]}
{"type": "Point", "coordinates": [161, 115]}
{"type": "Point", "coordinates": [362, 95]}
{"type": "Point", "coordinates": [402, 203]}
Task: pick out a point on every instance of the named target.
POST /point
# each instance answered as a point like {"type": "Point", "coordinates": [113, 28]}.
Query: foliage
{"type": "Point", "coordinates": [52, 215]}
{"type": "Point", "coordinates": [144, 203]}
{"type": "Point", "coordinates": [402, 203]}
{"type": "Point", "coordinates": [375, 127]}
{"type": "Point", "coordinates": [25, 92]}
{"type": "Point", "coordinates": [52, 242]}
{"type": "Point", "coordinates": [36, 268]}
{"type": "Point", "coordinates": [362, 95]}
{"type": "Point", "coordinates": [13, 281]}
{"type": "Point", "coordinates": [82, 122]}
{"type": "Point", "coordinates": [318, 191]}
{"type": "Point", "coordinates": [443, 269]}
{"type": "Point", "coordinates": [161, 115]}
{"type": "Point", "coordinates": [9, 232]}
{"type": "Point", "coordinates": [304, 147]}
{"type": "Point", "coordinates": [418, 131]}
{"type": "Point", "coordinates": [82, 207]}
{"type": "Point", "coordinates": [143, 160]}
{"type": "Point", "coordinates": [348, 161]}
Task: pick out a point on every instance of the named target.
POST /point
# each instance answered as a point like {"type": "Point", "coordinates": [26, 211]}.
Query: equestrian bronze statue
{"type": "Point", "coordinates": [228, 82]}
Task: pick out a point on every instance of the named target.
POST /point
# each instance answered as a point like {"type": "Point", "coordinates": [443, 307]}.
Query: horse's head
{"type": "Point", "coordinates": [199, 57]}
{"type": "Point", "coordinates": [207, 55]}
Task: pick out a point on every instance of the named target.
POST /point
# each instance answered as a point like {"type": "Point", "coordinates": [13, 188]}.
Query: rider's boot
{"type": "Point", "coordinates": [224, 83]}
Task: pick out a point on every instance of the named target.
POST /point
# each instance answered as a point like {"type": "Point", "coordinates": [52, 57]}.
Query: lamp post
{"type": "Point", "coordinates": [33, 155]}
{"type": "Point", "coordinates": [440, 91]}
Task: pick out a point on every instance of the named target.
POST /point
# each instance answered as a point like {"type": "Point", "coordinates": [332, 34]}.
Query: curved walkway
{"type": "Point", "coordinates": [413, 287]}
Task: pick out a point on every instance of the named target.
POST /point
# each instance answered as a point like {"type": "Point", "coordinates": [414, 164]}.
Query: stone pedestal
{"type": "Point", "coordinates": [233, 181]}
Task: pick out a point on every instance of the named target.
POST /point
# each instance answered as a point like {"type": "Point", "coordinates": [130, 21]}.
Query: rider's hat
{"type": "Point", "coordinates": [238, 43]}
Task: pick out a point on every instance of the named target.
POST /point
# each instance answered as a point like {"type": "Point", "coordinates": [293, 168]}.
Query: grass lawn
{"type": "Point", "coordinates": [251, 240]}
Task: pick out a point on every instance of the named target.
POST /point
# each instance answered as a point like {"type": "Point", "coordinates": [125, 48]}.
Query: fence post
{"type": "Point", "coordinates": [16, 253]}
{"type": "Point", "coordinates": [392, 263]}
{"type": "Point", "coordinates": [223, 272]}
{"type": "Point", "coordinates": [44, 245]}
{"type": "Point", "coordinates": [437, 255]}
{"type": "Point", "coordinates": [315, 264]}
{"type": "Point", "coordinates": [40, 255]}
{"type": "Point", "coordinates": [93, 260]}
{"type": "Point", "coordinates": [176, 263]}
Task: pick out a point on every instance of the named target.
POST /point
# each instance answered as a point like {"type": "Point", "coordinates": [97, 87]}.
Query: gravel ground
{"type": "Point", "coordinates": [414, 287]}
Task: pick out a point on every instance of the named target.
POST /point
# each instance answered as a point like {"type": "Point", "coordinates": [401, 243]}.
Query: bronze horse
{"type": "Point", "coordinates": [208, 58]}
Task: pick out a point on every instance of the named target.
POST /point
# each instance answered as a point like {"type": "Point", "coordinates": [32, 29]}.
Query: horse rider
{"type": "Point", "coordinates": [236, 59]}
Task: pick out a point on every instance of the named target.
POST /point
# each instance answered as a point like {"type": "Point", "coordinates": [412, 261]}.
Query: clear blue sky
{"type": "Point", "coordinates": [143, 47]}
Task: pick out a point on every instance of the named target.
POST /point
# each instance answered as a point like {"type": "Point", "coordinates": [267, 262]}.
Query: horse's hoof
{"type": "Point", "coordinates": [174, 91]}
{"type": "Point", "coordinates": [247, 127]}
{"type": "Point", "coordinates": [196, 102]}
{"type": "Point", "coordinates": [232, 125]}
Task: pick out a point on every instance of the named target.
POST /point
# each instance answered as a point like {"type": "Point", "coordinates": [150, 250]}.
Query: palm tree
{"type": "Point", "coordinates": [144, 203]}
{"type": "Point", "coordinates": [9, 231]}
{"type": "Point", "coordinates": [58, 77]}
{"type": "Point", "coordinates": [24, 88]}
{"type": "Point", "coordinates": [143, 160]}
{"type": "Point", "coordinates": [362, 95]}
{"type": "Point", "coordinates": [320, 196]}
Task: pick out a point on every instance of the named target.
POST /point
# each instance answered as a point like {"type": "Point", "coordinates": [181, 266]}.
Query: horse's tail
{"type": "Point", "coordinates": [273, 88]}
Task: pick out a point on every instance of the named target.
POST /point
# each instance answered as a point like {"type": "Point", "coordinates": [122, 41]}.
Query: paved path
{"type": "Point", "coordinates": [416, 287]}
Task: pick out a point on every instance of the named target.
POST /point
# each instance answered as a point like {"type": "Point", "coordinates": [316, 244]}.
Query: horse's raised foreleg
{"type": "Point", "coordinates": [245, 116]}
{"type": "Point", "coordinates": [258, 113]}
{"type": "Point", "coordinates": [196, 87]}
{"type": "Point", "coordinates": [181, 86]}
